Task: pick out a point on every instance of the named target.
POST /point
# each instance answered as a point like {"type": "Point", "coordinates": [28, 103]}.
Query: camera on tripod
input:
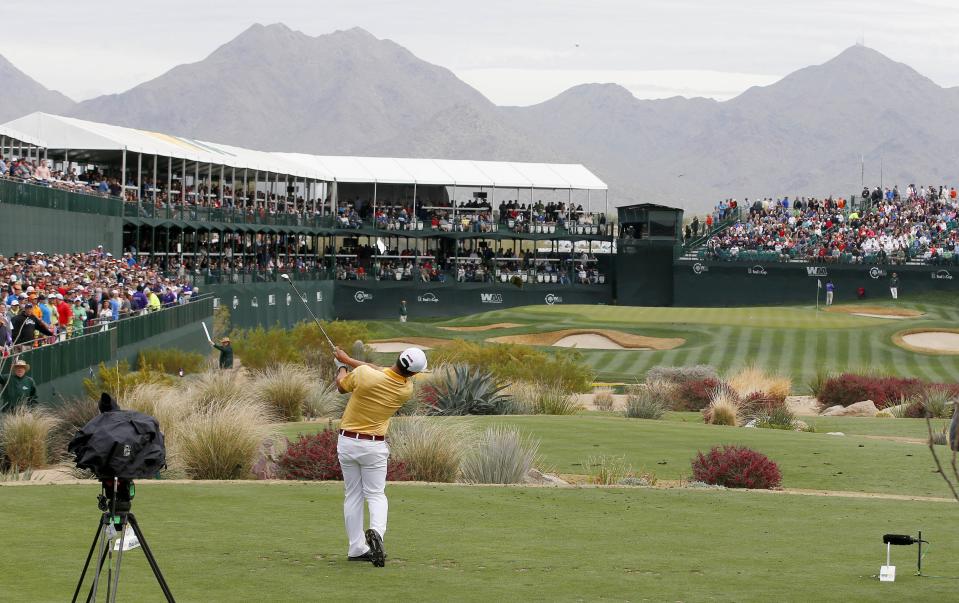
{"type": "Point", "coordinates": [118, 446]}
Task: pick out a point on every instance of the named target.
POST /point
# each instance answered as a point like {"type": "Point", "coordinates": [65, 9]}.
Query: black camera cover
{"type": "Point", "coordinates": [120, 443]}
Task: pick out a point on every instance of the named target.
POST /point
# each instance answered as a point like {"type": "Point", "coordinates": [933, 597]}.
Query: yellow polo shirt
{"type": "Point", "coordinates": [377, 395]}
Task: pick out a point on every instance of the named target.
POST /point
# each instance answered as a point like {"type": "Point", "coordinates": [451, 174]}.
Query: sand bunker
{"type": "Point", "coordinates": [398, 345]}
{"type": "Point", "coordinates": [499, 325]}
{"type": "Point", "coordinates": [875, 311]}
{"type": "Point", "coordinates": [935, 342]}
{"type": "Point", "coordinates": [596, 339]}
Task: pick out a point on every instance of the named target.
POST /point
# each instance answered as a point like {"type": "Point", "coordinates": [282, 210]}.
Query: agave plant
{"type": "Point", "coordinates": [462, 390]}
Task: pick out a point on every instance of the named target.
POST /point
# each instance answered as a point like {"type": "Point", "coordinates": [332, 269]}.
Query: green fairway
{"type": "Point", "coordinates": [818, 461]}
{"type": "Point", "coordinates": [284, 542]}
{"type": "Point", "coordinates": [794, 340]}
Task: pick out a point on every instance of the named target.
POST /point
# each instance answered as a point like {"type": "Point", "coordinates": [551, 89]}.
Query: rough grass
{"type": "Point", "coordinates": [501, 455]}
{"type": "Point", "coordinates": [24, 438]}
{"type": "Point", "coordinates": [285, 388]}
{"type": "Point", "coordinates": [222, 441]}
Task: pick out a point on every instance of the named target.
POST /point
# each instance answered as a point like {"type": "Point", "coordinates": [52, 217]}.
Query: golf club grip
{"type": "Point", "coordinates": [310, 310]}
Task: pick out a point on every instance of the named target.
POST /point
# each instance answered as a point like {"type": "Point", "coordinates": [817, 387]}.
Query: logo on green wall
{"type": "Point", "coordinates": [362, 296]}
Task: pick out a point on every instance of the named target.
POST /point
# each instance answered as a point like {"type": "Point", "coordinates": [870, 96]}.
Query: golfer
{"type": "Point", "coordinates": [377, 394]}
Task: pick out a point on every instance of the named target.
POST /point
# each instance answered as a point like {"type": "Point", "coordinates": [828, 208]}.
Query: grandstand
{"type": "Point", "coordinates": [450, 237]}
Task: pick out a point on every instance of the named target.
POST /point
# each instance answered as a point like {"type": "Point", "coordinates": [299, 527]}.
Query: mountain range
{"type": "Point", "coordinates": [348, 92]}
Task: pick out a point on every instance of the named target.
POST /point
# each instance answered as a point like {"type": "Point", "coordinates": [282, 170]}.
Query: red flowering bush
{"type": "Point", "coordinates": [313, 457]}
{"type": "Point", "coordinates": [849, 388]}
{"type": "Point", "coordinates": [736, 467]}
{"type": "Point", "coordinates": [694, 394]}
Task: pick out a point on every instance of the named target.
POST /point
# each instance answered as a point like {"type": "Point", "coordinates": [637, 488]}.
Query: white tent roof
{"type": "Point", "coordinates": [58, 132]}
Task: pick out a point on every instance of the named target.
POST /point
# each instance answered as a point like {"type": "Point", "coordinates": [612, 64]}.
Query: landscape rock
{"type": "Point", "coordinates": [836, 433]}
{"type": "Point", "coordinates": [535, 476]}
{"type": "Point", "coordinates": [866, 408]}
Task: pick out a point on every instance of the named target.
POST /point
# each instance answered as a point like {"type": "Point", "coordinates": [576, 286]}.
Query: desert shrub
{"type": "Point", "coordinates": [914, 409]}
{"type": "Point", "coordinates": [500, 456]}
{"type": "Point", "coordinates": [303, 344]}
{"type": "Point", "coordinates": [608, 470]}
{"type": "Point", "coordinates": [324, 401]}
{"type": "Point", "coordinates": [682, 374]}
{"type": "Point", "coordinates": [522, 398]}
{"type": "Point", "coordinates": [70, 415]}
{"type": "Point", "coordinates": [724, 408]}
{"type": "Point", "coordinates": [314, 457]}
{"type": "Point", "coordinates": [171, 360]}
{"type": "Point", "coordinates": [221, 322]}
{"type": "Point", "coordinates": [603, 399]}
{"type": "Point", "coordinates": [216, 387]}
{"type": "Point", "coordinates": [555, 400]}
{"type": "Point", "coordinates": [285, 388]}
{"type": "Point", "coordinates": [456, 390]}
{"type": "Point", "coordinates": [431, 449]}
{"type": "Point", "coordinates": [752, 380]}
{"type": "Point", "coordinates": [24, 436]}
{"type": "Point", "coordinates": [118, 379]}
{"type": "Point", "coordinates": [849, 388]}
{"type": "Point", "coordinates": [694, 395]}
{"type": "Point", "coordinates": [940, 437]}
{"type": "Point", "coordinates": [937, 401]}
{"type": "Point", "coordinates": [736, 467]}
{"type": "Point", "coordinates": [222, 441]}
{"type": "Point", "coordinates": [760, 403]}
{"type": "Point", "coordinates": [779, 417]}
{"type": "Point", "coordinates": [650, 401]}
{"type": "Point", "coordinates": [513, 362]}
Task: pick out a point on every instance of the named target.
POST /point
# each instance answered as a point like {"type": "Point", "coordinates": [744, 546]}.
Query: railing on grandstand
{"type": "Point", "coordinates": [100, 342]}
{"type": "Point", "coordinates": [729, 220]}
{"type": "Point", "coordinates": [227, 215]}
{"type": "Point", "coordinates": [19, 192]}
{"type": "Point", "coordinates": [226, 277]}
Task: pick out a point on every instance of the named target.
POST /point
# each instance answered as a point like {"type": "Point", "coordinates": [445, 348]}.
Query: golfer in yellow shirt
{"type": "Point", "coordinates": [377, 394]}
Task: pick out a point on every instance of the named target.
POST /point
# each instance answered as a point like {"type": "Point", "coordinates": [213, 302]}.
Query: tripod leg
{"type": "Point", "coordinates": [86, 564]}
{"type": "Point", "coordinates": [112, 592]}
{"type": "Point", "coordinates": [151, 559]}
{"type": "Point", "coordinates": [104, 550]}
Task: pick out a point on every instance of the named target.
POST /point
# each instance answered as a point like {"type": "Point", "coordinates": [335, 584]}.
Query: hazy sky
{"type": "Point", "coordinates": [515, 52]}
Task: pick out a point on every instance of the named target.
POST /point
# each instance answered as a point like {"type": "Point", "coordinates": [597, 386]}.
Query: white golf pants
{"type": "Point", "coordinates": [364, 478]}
{"type": "Point", "coordinates": [895, 292]}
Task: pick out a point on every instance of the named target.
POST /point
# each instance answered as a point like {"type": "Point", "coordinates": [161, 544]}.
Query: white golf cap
{"type": "Point", "coordinates": [413, 360]}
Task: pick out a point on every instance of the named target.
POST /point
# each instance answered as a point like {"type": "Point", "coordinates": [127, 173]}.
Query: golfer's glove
{"type": "Point", "coordinates": [340, 365]}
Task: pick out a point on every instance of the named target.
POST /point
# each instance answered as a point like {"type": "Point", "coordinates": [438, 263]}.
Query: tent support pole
{"type": "Point", "coordinates": [123, 175]}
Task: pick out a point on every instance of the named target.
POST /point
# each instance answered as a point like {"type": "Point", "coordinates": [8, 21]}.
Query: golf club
{"type": "Point", "coordinates": [287, 278]}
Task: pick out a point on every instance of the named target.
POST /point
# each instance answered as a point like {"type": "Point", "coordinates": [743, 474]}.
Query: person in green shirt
{"type": "Point", "coordinates": [403, 311]}
{"type": "Point", "coordinates": [226, 353]}
{"type": "Point", "coordinates": [18, 389]}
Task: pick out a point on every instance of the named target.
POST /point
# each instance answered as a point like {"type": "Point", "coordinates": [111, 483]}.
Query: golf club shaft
{"type": "Point", "coordinates": [310, 310]}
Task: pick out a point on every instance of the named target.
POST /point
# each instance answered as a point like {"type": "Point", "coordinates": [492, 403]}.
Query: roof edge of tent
{"type": "Point", "coordinates": [393, 170]}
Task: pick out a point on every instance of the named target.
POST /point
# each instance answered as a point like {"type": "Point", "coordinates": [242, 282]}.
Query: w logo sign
{"type": "Point", "coordinates": [491, 298]}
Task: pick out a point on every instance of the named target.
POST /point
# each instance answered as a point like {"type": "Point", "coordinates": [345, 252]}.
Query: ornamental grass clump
{"type": "Point", "coordinates": [324, 401]}
{"type": "Point", "coordinates": [608, 470]}
{"type": "Point", "coordinates": [500, 456]}
{"type": "Point", "coordinates": [223, 440]}
{"type": "Point", "coordinates": [166, 404]}
{"type": "Point", "coordinates": [24, 438]}
{"type": "Point", "coordinates": [724, 408]}
{"type": "Point", "coordinates": [431, 448]}
{"type": "Point", "coordinates": [779, 417]}
{"type": "Point", "coordinates": [752, 382]}
{"type": "Point", "coordinates": [522, 398]}
{"type": "Point", "coordinates": [285, 388]}
{"type": "Point", "coordinates": [736, 467]}
{"type": "Point", "coordinates": [603, 399]}
{"type": "Point", "coordinates": [217, 388]}
{"type": "Point", "coordinates": [555, 400]}
{"type": "Point", "coordinates": [649, 401]}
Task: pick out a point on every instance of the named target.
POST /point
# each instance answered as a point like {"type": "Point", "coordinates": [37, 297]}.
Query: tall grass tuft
{"type": "Point", "coordinates": [24, 437]}
{"type": "Point", "coordinates": [166, 404]}
{"type": "Point", "coordinates": [724, 408]}
{"type": "Point", "coordinates": [222, 441]}
{"type": "Point", "coordinates": [286, 389]}
{"type": "Point", "coordinates": [779, 417]}
{"type": "Point", "coordinates": [603, 399]}
{"type": "Point", "coordinates": [753, 380]}
{"type": "Point", "coordinates": [608, 470]}
{"type": "Point", "coordinates": [937, 401]}
{"type": "Point", "coordinates": [217, 388]}
{"type": "Point", "coordinates": [431, 448]}
{"type": "Point", "coordinates": [555, 400]}
{"type": "Point", "coordinates": [13, 474]}
{"type": "Point", "coordinates": [501, 456]}
{"type": "Point", "coordinates": [649, 401]}
{"type": "Point", "coordinates": [324, 402]}
{"type": "Point", "coordinates": [70, 416]}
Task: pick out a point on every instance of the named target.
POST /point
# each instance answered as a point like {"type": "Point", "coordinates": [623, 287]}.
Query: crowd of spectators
{"type": "Point", "coordinates": [51, 297]}
{"type": "Point", "coordinates": [889, 227]}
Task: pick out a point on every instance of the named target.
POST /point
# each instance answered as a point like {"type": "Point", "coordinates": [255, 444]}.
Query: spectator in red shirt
{"type": "Point", "coordinates": [64, 313]}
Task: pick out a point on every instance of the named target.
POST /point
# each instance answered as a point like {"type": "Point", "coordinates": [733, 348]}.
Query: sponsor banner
{"type": "Point", "coordinates": [877, 272]}
{"type": "Point", "coordinates": [699, 268]}
{"type": "Point", "coordinates": [491, 298]}
{"type": "Point", "coordinates": [553, 299]}
{"type": "Point", "coordinates": [816, 271]}
{"type": "Point", "coordinates": [362, 296]}
{"type": "Point", "coordinates": [428, 298]}
{"type": "Point", "coordinates": [757, 270]}
{"type": "Point", "coordinates": [941, 275]}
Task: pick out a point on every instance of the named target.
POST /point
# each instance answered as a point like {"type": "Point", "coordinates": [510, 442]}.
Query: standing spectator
{"type": "Point", "coordinates": [153, 300]}
{"type": "Point", "coordinates": [226, 353]}
{"type": "Point", "coordinates": [64, 315]}
{"type": "Point", "coordinates": [403, 311]}
{"type": "Point", "coordinates": [830, 288]}
{"type": "Point", "coordinates": [6, 330]}
{"type": "Point", "coordinates": [894, 285]}
{"type": "Point", "coordinates": [79, 317]}
{"type": "Point", "coordinates": [105, 315]}
{"type": "Point", "coordinates": [115, 304]}
{"type": "Point", "coordinates": [140, 301]}
{"type": "Point", "coordinates": [25, 326]}
{"type": "Point", "coordinates": [18, 389]}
